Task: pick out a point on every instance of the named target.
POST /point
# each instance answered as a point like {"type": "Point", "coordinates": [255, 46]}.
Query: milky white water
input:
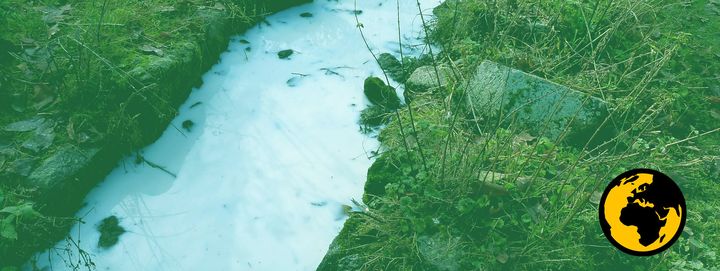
{"type": "Point", "coordinates": [273, 156]}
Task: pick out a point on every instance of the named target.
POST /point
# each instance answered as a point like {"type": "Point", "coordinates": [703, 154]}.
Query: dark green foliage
{"type": "Point", "coordinates": [400, 71]}
{"type": "Point", "coordinates": [382, 172]}
{"type": "Point", "coordinates": [392, 67]}
{"type": "Point", "coordinates": [606, 48]}
{"type": "Point", "coordinates": [504, 199]}
{"type": "Point", "coordinates": [110, 231]}
{"type": "Point", "coordinates": [107, 76]}
{"type": "Point", "coordinates": [373, 117]}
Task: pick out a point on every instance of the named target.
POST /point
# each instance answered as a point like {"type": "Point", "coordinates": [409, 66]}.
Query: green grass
{"type": "Point", "coordinates": [106, 74]}
{"type": "Point", "coordinates": [435, 188]}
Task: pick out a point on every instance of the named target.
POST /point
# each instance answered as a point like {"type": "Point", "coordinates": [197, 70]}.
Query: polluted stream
{"type": "Point", "coordinates": [258, 168]}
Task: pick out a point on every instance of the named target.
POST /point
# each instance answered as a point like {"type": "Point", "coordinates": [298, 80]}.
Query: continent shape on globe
{"type": "Point", "coordinates": [644, 212]}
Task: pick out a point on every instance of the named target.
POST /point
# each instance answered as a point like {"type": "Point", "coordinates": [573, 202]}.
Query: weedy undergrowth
{"type": "Point", "coordinates": [463, 192]}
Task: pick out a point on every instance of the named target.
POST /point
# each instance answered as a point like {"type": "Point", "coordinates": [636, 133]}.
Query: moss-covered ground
{"type": "Point", "coordinates": [94, 75]}
{"type": "Point", "coordinates": [454, 192]}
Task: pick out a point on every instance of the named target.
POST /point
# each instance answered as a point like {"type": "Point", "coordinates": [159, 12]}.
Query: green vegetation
{"type": "Point", "coordinates": [83, 83]}
{"type": "Point", "coordinates": [453, 191]}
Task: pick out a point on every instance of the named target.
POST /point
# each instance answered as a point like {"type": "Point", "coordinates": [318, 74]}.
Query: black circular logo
{"type": "Point", "coordinates": [642, 212]}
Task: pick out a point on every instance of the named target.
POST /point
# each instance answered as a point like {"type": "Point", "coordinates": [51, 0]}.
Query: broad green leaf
{"type": "Point", "coordinates": [26, 210]}
{"type": "Point", "coordinates": [7, 229]}
{"type": "Point", "coordinates": [10, 210]}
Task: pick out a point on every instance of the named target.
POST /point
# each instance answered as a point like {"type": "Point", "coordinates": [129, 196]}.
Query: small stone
{"type": "Point", "coordinates": [319, 203]}
{"type": "Point", "coordinates": [188, 125]}
{"type": "Point", "coordinates": [381, 94]}
{"type": "Point", "coordinates": [284, 54]}
{"type": "Point", "coordinates": [110, 231]}
{"type": "Point", "coordinates": [306, 15]}
{"type": "Point", "coordinates": [294, 81]}
{"type": "Point", "coordinates": [392, 67]}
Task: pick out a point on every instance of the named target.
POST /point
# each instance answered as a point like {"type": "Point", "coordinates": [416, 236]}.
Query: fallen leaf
{"type": "Point", "coordinates": [715, 114]}
{"type": "Point", "coordinates": [524, 137]}
{"type": "Point", "coordinates": [70, 129]}
{"type": "Point", "coordinates": [53, 30]}
{"type": "Point", "coordinates": [294, 81]}
{"type": "Point", "coordinates": [28, 42]}
{"type": "Point", "coordinates": [502, 258]}
{"type": "Point", "coordinates": [714, 99]}
{"type": "Point", "coordinates": [596, 197]}
{"type": "Point", "coordinates": [688, 230]}
{"type": "Point", "coordinates": [219, 6]}
{"type": "Point", "coordinates": [149, 49]}
{"type": "Point", "coordinates": [55, 15]}
{"type": "Point", "coordinates": [44, 102]}
{"type": "Point", "coordinates": [165, 9]}
{"type": "Point", "coordinates": [25, 125]}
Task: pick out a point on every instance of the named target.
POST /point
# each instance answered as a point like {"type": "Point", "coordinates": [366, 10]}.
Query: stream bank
{"type": "Point", "coordinates": [262, 163]}
{"type": "Point", "coordinates": [98, 94]}
{"type": "Point", "coordinates": [457, 188]}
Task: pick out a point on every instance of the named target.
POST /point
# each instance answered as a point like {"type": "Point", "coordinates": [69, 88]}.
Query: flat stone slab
{"type": "Point", "coordinates": [57, 171]}
{"type": "Point", "coordinates": [536, 105]}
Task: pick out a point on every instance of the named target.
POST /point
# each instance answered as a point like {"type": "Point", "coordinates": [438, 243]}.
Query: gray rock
{"type": "Point", "coordinates": [66, 162]}
{"type": "Point", "coordinates": [541, 107]}
{"type": "Point", "coordinates": [441, 251]}
{"type": "Point", "coordinates": [424, 78]}
{"type": "Point", "coordinates": [25, 125]}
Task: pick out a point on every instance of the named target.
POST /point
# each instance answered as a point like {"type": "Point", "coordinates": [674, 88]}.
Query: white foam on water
{"type": "Point", "coordinates": [273, 156]}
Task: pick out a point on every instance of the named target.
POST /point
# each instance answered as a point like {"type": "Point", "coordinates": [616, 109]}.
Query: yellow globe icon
{"type": "Point", "coordinates": [642, 212]}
